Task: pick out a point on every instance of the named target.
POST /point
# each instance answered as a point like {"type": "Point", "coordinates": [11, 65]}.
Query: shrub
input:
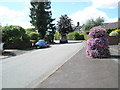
{"type": "Point", "coordinates": [57, 35]}
{"type": "Point", "coordinates": [76, 36]}
{"type": "Point", "coordinates": [34, 35]}
{"type": "Point", "coordinates": [29, 30]}
{"type": "Point", "coordinates": [12, 33]}
{"type": "Point", "coordinates": [71, 36]}
{"type": "Point", "coordinates": [25, 37]}
{"type": "Point", "coordinates": [118, 30]}
{"type": "Point", "coordinates": [113, 33]}
{"type": "Point", "coordinates": [81, 36]}
{"type": "Point", "coordinates": [18, 45]}
{"type": "Point", "coordinates": [110, 30]}
{"type": "Point", "coordinates": [86, 35]}
{"type": "Point", "coordinates": [97, 45]}
{"type": "Point", "coordinates": [15, 37]}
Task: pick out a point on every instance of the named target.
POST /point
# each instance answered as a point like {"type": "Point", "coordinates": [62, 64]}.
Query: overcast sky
{"type": "Point", "coordinates": [16, 12]}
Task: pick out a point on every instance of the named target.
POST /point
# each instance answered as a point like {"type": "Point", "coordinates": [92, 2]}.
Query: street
{"type": "Point", "coordinates": [25, 71]}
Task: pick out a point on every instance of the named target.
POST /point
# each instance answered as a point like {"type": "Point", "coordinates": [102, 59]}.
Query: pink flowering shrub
{"type": "Point", "coordinates": [97, 45]}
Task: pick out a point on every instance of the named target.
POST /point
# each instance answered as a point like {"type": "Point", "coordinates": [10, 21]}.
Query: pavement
{"type": "Point", "coordinates": [83, 72]}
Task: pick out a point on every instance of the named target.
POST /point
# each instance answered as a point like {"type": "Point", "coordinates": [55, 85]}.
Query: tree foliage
{"type": "Point", "coordinates": [29, 30]}
{"type": "Point", "coordinates": [0, 34]}
{"type": "Point", "coordinates": [75, 36]}
{"type": "Point", "coordinates": [41, 16]}
{"type": "Point", "coordinates": [12, 33]}
{"type": "Point", "coordinates": [65, 24]}
{"type": "Point", "coordinates": [15, 37]}
{"type": "Point", "coordinates": [34, 36]}
{"type": "Point", "coordinates": [92, 23]}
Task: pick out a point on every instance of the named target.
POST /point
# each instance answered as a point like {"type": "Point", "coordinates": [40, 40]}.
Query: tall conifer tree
{"type": "Point", "coordinates": [41, 16]}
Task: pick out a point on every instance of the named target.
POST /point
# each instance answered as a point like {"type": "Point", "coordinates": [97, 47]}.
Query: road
{"type": "Point", "coordinates": [25, 71]}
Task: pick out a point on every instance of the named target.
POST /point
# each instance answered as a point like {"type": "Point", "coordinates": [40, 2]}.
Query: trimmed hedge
{"type": "Point", "coordinates": [113, 33]}
{"type": "Point", "coordinates": [34, 36]}
{"type": "Point", "coordinates": [86, 35]}
{"type": "Point", "coordinates": [57, 36]}
{"type": "Point", "coordinates": [76, 36]}
{"type": "Point", "coordinates": [15, 37]}
{"type": "Point", "coordinates": [110, 30]}
{"type": "Point", "coordinates": [18, 45]}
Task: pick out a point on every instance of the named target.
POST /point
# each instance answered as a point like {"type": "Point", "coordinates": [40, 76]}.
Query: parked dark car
{"type": "Point", "coordinates": [41, 43]}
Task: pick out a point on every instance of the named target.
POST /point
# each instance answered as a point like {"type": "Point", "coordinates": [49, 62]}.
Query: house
{"type": "Point", "coordinates": [111, 25]}
{"type": "Point", "coordinates": [113, 40]}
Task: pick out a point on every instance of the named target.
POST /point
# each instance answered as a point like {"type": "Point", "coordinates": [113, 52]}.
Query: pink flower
{"type": "Point", "coordinates": [97, 45]}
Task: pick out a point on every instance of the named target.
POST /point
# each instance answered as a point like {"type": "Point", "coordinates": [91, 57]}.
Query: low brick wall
{"type": "Point", "coordinates": [114, 40]}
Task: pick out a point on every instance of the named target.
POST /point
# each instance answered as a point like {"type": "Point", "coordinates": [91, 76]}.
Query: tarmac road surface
{"type": "Point", "coordinates": [25, 71]}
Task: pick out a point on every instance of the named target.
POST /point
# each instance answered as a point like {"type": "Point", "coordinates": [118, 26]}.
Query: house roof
{"type": "Point", "coordinates": [111, 25]}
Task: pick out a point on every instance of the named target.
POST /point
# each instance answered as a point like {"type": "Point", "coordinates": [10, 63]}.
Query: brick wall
{"type": "Point", "coordinates": [114, 40]}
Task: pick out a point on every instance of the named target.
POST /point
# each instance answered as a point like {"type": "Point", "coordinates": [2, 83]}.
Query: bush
{"type": "Point", "coordinates": [71, 36]}
{"type": "Point", "coordinates": [57, 36]}
{"type": "Point", "coordinates": [29, 30]}
{"type": "Point", "coordinates": [25, 37]}
{"type": "Point", "coordinates": [34, 35]}
{"type": "Point", "coordinates": [81, 36]}
{"type": "Point", "coordinates": [113, 33]}
{"type": "Point", "coordinates": [97, 45]}
{"type": "Point", "coordinates": [110, 30]}
{"type": "Point", "coordinates": [76, 36]}
{"type": "Point", "coordinates": [86, 35]}
{"type": "Point", "coordinates": [15, 37]}
{"type": "Point", "coordinates": [118, 30]}
{"type": "Point", "coordinates": [18, 45]}
{"type": "Point", "coordinates": [12, 33]}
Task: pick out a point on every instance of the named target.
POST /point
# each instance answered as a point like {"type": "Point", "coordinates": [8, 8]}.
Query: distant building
{"type": "Point", "coordinates": [78, 29]}
{"type": "Point", "coordinates": [111, 25]}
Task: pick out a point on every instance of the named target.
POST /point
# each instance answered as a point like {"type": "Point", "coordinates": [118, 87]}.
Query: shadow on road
{"type": "Point", "coordinates": [74, 42]}
{"type": "Point", "coordinates": [44, 47]}
{"type": "Point", "coordinates": [115, 56]}
{"type": "Point", "coordinates": [6, 53]}
{"type": "Point", "coordinates": [110, 57]}
{"type": "Point", "coordinates": [67, 43]}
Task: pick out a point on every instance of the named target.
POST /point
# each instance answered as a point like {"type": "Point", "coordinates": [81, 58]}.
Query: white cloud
{"type": "Point", "coordinates": [7, 14]}
{"type": "Point", "coordinates": [105, 3]}
{"type": "Point", "coordinates": [14, 17]}
{"type": "Point", "coordinates": [14, 0]}
{"type": "Point", "coordinates": [87, 13]}
{"type": "Point", "coordinates": [23, 24]}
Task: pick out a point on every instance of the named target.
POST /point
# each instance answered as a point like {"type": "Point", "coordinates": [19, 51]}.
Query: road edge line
{"type": "Point", "coordinates": [56, 69]}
